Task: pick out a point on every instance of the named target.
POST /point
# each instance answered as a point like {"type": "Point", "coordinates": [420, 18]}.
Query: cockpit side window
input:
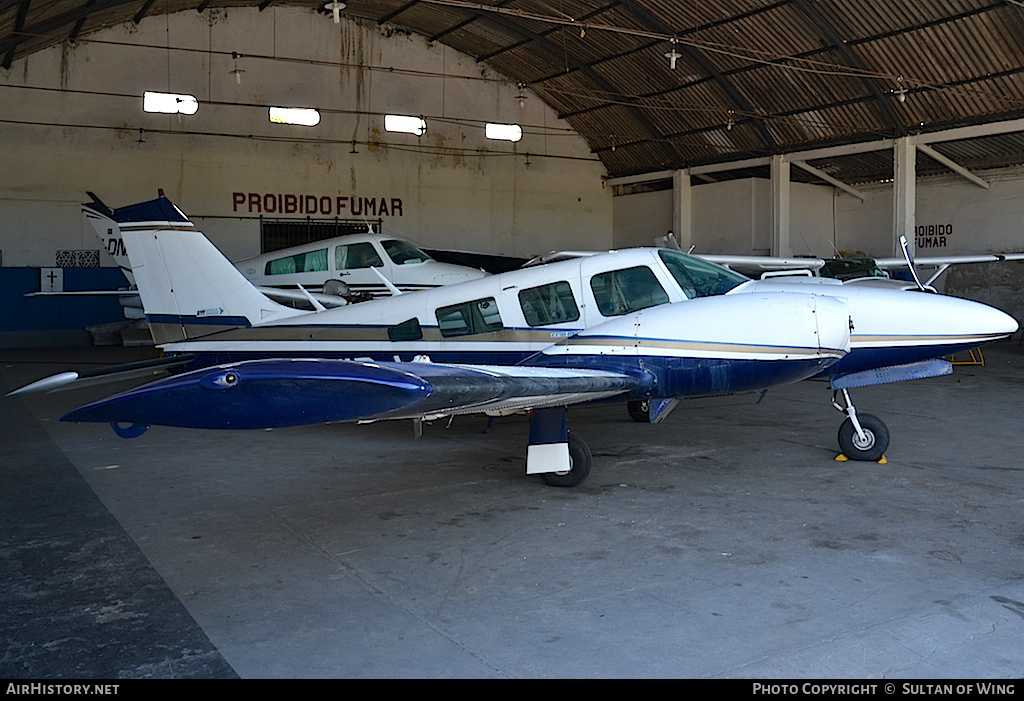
{"type": "Point", "coordinates": [403, 253]}
{"type": "Point", "coordinates": [699, 278]}
{"type": "Point", "coordinates": [622, 291]}
{"type": "Point", "coordinates": [356, 255]}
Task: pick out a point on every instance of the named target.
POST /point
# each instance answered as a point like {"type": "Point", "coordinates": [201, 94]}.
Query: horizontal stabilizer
{"type": "Point", "coordinates": [894, 373]}
{"type": "Point", "coordinates": [278, 393]}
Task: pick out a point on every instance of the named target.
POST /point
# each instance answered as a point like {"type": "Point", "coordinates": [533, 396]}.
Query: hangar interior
{"type": "Point", "coordinates": [769, 127]}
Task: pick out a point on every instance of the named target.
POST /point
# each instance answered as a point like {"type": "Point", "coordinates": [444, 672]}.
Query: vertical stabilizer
{"type": "Point", "coordinates": [189, 289]}
{"type": "Point", "coordinates": [109, 234]}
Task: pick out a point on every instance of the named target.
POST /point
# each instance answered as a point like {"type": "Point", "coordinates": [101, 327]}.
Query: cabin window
{"type": "Point", "coordinates": [622, 291]}
{"type": "Point", "coordinates": [699, 278]}
{"type": "Point", "coordinates": [478, 316]}
{"type": "Point", "coordinates": [309, 262]}
{"type": "Point", "coordinates": [548, 304]}
{"type": "Point", "coordinates": [356, 255]}
{"type": "Point", "coordinates": [403, 253]}
{"type": "Point", "coordinates": [406, 331]}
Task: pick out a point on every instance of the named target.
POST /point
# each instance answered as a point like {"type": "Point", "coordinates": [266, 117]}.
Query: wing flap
{"type": "Point", "coordinates": [294, 392]}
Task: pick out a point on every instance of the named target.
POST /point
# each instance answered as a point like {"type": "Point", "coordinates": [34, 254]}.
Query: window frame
{"type": "Point", "coordinates": [472, 316]}
{"type": "Point", "coordinates": [537, 289]}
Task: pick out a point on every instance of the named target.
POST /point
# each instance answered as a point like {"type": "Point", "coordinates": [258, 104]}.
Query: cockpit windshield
{"type": "Point", "coordinates": [699, 278]}
{"type": "Point", "coordinates": [404, 253]}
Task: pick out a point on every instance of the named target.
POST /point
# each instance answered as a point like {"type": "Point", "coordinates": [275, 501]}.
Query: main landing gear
{"type": "Point", "coordinates": [580, 461]}
{"type": "Point", "coordinates": [562, 459]}
{"type": "Point", "coordinates": [861, 436]}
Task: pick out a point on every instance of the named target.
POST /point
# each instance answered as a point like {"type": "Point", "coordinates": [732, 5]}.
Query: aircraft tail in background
{"type": "Point", "coordinates": [188, 288]}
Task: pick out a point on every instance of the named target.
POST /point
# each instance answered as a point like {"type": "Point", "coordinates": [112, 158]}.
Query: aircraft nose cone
{"type": "Point", "coordinates": [982, 321]}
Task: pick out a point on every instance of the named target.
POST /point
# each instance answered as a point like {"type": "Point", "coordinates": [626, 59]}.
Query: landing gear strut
{"type": "Point", "coordinates": [863, 436]}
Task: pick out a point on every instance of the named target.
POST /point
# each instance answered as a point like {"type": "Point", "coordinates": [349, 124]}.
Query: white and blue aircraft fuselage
{"type": "Point", "coordinates": [646, 326]}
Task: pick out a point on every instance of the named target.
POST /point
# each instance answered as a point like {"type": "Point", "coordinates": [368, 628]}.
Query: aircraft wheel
{"type": "Point", "coordinates": [874, 445]}
{"type": "Point", "coordinates": [580, 461]}
{"type": "Point", "coordinates": [639, 411]}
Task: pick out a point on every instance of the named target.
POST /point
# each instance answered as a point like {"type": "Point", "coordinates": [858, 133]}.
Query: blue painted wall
{"type": "Point", "coordinates": [55, 321]}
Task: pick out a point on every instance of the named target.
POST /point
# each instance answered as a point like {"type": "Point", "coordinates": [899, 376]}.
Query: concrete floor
{"type": "Point", "coordinates": [725, 542]}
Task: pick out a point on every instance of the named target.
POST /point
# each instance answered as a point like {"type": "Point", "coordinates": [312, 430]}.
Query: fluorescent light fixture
{"type": "Point", "coordinates": [405, 125]}
{"type": "Point", "coordinates": [294, 115]}
{"type": "Point", "coordinates": [504, 132]}
{"type": "Point", "coordinates": [167, 103]}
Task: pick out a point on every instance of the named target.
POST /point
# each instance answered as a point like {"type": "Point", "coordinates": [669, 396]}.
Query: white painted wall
{"type": "Point", "coordinates": [973, 219]}
{"type": "Point", "coordinates": [730, 217]}
{"type": "Point", "coordinates": [78, 130]}
{"type": "Point", "coordinates": [642, 217]}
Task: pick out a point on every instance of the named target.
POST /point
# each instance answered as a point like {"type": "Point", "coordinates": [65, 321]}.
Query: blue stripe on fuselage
{"type": "Point", "coordinates": [212, 320]}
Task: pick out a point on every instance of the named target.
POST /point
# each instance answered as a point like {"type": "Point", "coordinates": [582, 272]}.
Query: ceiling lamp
{"type": "Point", "coordinates": [335, 8]}
{"type": "Point", "coordinates": [673, 55]}
{"type": "Point", "coordinates": [521, 96]}
{"type": "Point", "coordinates": [236, 71]}
{"type": "Point", "coordinates": [901, 91]}
{"type": "Point", "coordinates": [405, 125]}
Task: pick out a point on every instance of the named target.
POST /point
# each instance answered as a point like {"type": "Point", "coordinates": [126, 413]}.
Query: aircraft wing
{"type": "Point", "coordinates": [280, 294]}
{"type": "Point", "coordinates": [294, 392]}
{"type": "Point", "coordinates": [85, 293]}
{"type": "Point", "coordinates": [763, 262]}
{"type": "Point", "coordinates": [115, 373]}
{"type": "Point", "coordinates": [934, 261]}
{"type": "Point", "coordinates": [277, 293]}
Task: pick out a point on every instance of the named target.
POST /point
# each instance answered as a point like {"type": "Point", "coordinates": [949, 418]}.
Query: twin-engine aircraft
{"type": "Point", "coordinates": [645, 327]}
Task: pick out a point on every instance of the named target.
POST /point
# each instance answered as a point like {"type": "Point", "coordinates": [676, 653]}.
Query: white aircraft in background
{"type": "Point", "coordinates": [332, 272]}
{"type": "Point", "coordinates": [640, 325]}
{"type": "Point", "coordinates": [369, 264]}
{"type": "Point", "coordinates": [848, 269]}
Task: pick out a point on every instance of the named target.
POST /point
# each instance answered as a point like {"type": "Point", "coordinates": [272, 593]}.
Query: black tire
{"type": "Point", "coordinates": [580, 461]}
{"type": "Point", "coordinates": [877, 439]}
{"type": "Point", "coordinates": [640, 411]}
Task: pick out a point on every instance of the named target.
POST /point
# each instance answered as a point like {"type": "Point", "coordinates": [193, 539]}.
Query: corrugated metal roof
{"type": "Point", "coordinates": [752, 77]}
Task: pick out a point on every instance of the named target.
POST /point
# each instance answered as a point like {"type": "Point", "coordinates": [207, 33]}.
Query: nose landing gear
{"type": "Point", "coordinates": [861, 437]}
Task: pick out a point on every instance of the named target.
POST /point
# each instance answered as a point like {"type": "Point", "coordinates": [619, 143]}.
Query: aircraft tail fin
{"type": "Point", "coordinates": [189, 289]}
{"type": "Point", "coordinates": [109, 233]}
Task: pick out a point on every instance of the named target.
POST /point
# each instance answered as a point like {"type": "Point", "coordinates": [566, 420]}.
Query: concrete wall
{"type": "Point", "coordinates": [641, 217]}
{"type": "Point", "coordinates": [953, 216]}
{"type": "Point", "coordinates": [731, 217]}
{"type": "Point", "coordinates": [78, 129]}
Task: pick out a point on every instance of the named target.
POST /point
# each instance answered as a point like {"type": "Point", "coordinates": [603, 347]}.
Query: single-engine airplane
{"type": "Point", "coordinates": [331, 272]}
{"type": "Point", "coordinates": [368, 264]}
{"type": "Point", "coordinates": [646, 326]}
